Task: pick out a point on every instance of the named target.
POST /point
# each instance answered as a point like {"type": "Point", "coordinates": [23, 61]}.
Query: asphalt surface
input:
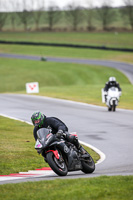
{"type": "Point", "coordinates": [111, 132]}
{"type": "Point", "coordinates": [125, 68]}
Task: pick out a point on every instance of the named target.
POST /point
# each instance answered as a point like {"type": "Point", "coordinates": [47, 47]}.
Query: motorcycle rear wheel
{"type": "Point", "coordinates": [58, 167]}
{"type": "Point", "coordinates": [88, 165]}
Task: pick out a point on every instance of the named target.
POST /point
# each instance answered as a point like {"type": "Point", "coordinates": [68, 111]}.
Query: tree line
{"type": "Point", "coordinates": [72, 15]}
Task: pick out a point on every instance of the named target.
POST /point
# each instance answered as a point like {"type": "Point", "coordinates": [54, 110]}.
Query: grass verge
{"type": "Point", "coordinates": [17, 151]}
{"type": "Point", "coordinates": [100, 188]}
{"type": "Point", "coordinates": [67, 52]}
{"type": "Point", "coordinates": [109, 39]}
{"type": "Point", "coordinates": [76, 82]}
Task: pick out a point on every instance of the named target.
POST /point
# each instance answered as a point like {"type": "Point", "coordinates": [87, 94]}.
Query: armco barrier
{"type": "Point", "coordinates": [66, 45]}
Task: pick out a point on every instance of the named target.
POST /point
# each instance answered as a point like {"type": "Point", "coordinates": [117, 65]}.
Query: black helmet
{"type": "Point", "coordinates": [37, 118]}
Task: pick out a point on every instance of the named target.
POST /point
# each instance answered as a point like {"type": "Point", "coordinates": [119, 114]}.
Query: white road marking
{"type": "Point", "coordinates": [30, 173]}
{"type": "Point", "coordinates": [101, 154]}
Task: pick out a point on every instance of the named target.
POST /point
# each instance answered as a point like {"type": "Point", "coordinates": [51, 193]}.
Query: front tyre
{"type": "Point", "coordinates": [57, 165]}
{"type": "Point", "coordinates": [114, 106]}
{"type": "Point", "coordinates": [88, 165]}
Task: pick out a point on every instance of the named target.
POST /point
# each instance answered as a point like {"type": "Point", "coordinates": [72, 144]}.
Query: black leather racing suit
{"type": "Point", "coordinates": [110, 84]}
{"type": "Point", "coordinates": [55, 125]}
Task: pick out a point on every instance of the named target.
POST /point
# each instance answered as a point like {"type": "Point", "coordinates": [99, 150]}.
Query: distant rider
{"type": "Point", "coordinates": [39, 120]}
{"type": "Point", "coordinates": [111, 83]}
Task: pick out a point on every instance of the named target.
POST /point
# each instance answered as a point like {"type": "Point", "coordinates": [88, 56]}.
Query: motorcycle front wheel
{"type": "Point", "coordinates": [114, 106]}
{"type": "Point", "coordinates": [88, 165]}
{"type": "Point", "coordinates": [57, 165]}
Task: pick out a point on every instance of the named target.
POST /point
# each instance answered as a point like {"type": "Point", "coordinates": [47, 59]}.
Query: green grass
{"type": "Point", "coordinates": [17, 151]}
{"type": "Point", "coordinates": [108, 39]}
{"type": "Point", "coordinates": [67, 52]}
{"type": "Point", "coordinates": [67, 81]}
{"type": "Point", "coordinates": [62, 80]}
{"type": "Point", "coordinates": [100, 188]}
{"type": "Point", "coordinates": [90, 94]}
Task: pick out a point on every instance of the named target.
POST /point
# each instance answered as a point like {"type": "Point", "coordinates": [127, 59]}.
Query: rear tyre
{"type": "Point", "coordinates": [57, 165]}
{"type": "Point", "coordinates": [88, 165]}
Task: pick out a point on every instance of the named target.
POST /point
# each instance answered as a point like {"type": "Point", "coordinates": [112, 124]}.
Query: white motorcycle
{"type": "Point", "coordinates": [111, 98]}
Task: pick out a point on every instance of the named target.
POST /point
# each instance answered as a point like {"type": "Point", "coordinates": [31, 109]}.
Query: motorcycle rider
{"type": "Point", "coordinates": [111, 83]}
{"type": "Point", "coordinates": [57, 127]}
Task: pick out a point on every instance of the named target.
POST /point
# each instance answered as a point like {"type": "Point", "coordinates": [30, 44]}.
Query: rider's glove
{"type": "Point", "coordinates": [59, 133]}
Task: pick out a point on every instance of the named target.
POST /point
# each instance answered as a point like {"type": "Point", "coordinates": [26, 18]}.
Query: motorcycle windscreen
{"type": "Point", "coordinates": [114, 89]}
{"type": "Point", "coordinates": [42, 134]}
{"type": "Point", "coordinates": [113, 92]}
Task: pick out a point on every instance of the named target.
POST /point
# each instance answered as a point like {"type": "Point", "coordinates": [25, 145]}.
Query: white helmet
{"type": "Point", "coordinates": [112, 79]}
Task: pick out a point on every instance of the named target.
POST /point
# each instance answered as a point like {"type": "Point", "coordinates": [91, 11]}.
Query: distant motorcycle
{"type": "Point", "coordinates": [61, 155]}
{"type": "Point", "coordinates": [111, 98]}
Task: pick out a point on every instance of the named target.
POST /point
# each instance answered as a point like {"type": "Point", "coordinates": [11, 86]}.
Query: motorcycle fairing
{"type": "Point", "coordinates": [45, 137]}
{"type": "Point", "coordinates": [38, 145]}
{"type": "Point", "coordinates": [113, 99]}
{"type": "Point", "coordinates": [72, 159]}
{"type": "Point", "coordinates": [55, 152]}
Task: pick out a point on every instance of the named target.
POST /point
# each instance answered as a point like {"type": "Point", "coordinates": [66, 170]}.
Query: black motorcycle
{"type": "Point", "coordinates": [61, 155]}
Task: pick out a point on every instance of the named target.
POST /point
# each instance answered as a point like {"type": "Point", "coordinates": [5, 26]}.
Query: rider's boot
{"type": "Point", "coordinates": [74, 139]}
{"type": "Point", "coordinates": [81, 150]}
